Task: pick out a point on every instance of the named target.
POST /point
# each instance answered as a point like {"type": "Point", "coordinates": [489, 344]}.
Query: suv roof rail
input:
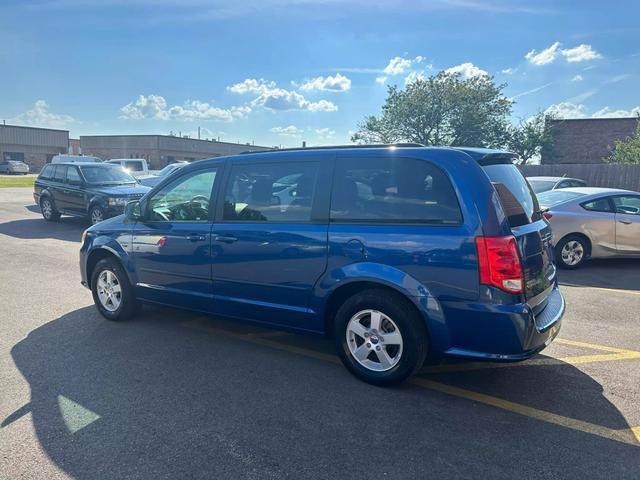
{"type": "Point", "coordinates": [331, 147]}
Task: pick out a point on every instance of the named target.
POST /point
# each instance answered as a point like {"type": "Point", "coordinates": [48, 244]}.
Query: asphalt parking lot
{"type": "Point", "coordinates": [179, 395]}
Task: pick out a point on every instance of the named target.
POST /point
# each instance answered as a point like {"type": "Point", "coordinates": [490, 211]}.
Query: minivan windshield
{"type": "Point", "coordinates": [105, 174]}
{"type": "Point", "coordinates": [517, 198]}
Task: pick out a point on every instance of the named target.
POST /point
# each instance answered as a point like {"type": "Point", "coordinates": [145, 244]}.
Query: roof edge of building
{"type": "Point", "coordinates": [177, 138]}
{"type": "Point", "coordinates": [34, 128]}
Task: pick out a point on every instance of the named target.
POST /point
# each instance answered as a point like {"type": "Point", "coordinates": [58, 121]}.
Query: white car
{"type": "Point", "coordinates": [592, 222]}
{"type": "Point", "coordinates": [133, 166]}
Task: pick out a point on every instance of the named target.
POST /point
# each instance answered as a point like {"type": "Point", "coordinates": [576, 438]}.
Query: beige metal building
{"type": "Point", "coordinates": [159, 150]}
{"type": "Point", "coordinates": [34, 146]}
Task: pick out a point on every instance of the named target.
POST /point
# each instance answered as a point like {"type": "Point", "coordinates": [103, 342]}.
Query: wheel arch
{"type": "Point", "coordinates": [107, 251]}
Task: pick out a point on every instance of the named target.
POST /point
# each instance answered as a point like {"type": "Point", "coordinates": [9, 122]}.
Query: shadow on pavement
{"type": "Point", "coordinates": [619, 273]}
{"type": "Point", "coordinates": [67, 228]}
{"type": "Point", "coordinates": [153, 399]}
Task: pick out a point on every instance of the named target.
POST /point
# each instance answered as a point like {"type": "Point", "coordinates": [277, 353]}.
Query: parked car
{"type": "Point", "coordinates": [14, 167]}
{"type": "Point", "coordinates": [156, 177]}
{"type": "Point", "coordinates": [400, 252]}
{"type": "Point", "coordinates": [133, 166]}
{"type": "Point", "coordinates": [96, 191]}
{"type": "Point", "coordinates": [592, 222]}
{"type": "Point", "coordinates": [75, 159]}
{"type": "Point", "coordinates": [544, 184]}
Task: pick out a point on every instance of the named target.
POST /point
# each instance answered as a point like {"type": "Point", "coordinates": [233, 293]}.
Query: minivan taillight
{"type": "Point", "coordinates": [499, 263]}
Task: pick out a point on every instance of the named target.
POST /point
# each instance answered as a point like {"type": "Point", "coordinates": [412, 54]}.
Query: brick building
{"type": "Point", "coordinates": [34, 146]}
{"type": "Point", "coordinates": [586, 140]}
{"type": "Point", "coordinates": [159, 150]}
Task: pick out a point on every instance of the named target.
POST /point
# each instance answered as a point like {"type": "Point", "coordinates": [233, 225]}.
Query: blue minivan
{"type": "Point", "coordinates": [401, 253]}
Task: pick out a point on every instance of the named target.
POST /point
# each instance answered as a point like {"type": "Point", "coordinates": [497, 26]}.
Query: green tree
{"type": "Point", "coordinates": [443, 109]}
{"type": "Point", "coordinates": [531, 137]}
{"type": "Point", "coordinates": [628, 150]}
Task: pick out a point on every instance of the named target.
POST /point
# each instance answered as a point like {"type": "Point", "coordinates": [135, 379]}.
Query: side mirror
{"type": "Point", "coordinates": [133, 211]}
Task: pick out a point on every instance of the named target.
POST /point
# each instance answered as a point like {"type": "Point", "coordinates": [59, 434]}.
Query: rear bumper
{"type": "Point", "coordinates": [501, 332]}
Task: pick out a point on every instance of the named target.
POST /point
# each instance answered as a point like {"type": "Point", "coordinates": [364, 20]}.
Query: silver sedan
{"type": "Point", "coordinates": [592, 222]}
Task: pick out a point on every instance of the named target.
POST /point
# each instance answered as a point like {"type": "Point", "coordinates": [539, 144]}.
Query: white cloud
{"type": "Point", "coordinates": [381, 79]}
{"type": "Point", "coordinates": [155, 107]}
{"type": "Point", "coordinates": [290, 131]}
{"type": "Point", "coordinates": [578, 110]}
{"type": "Point", "coordinates": [577, 78]}
{"type": "Point", "coordinates": [400, 65]}
{"type": "Point", "coordinates": [40, 116]}
{"type": "Point", "coordinates": [580, 53]}
{"type": "Point", "coordinates": [509, 71]}
{"type": "Point", "coordinates": [466, 70]}
{"type": "Point", "coordinates": [413, 76]}
{"type": "Point", "coordinates": [546, 56]}
{"type": "Point", "coordinates": [567, 110]}
{"type": "Point", "coordinates": [274, 98]}
{"type": "Point", "coordinates": [252, 85]}
{"type": "Point", "coordinates": [325, 132]}
{"type": "Point", "coordinates": [337, 83]}
{"type": "Point", "coordinates": [606, 112]}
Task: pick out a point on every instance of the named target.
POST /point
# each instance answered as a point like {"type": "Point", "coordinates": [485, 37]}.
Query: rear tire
{"type": "Point", "coordinates": [571, 252]}
{"type": "Point", "coordinates": [48, 209]}
{"type": "Point", "coordinates": [112, 293]}
{"type": "Point", "coordinates": [365, 322]}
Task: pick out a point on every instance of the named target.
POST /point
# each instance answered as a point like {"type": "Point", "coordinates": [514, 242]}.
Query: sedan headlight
{"type": "Point", "coordinates": [117, 202]}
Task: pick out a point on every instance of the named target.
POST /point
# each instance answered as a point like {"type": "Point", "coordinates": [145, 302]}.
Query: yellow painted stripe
{"type": "Point", "coordinates": [604, 289]}
{"type": "Point", "coordinates": [594, 346]}
{"type": "Point", "coordinates": [627, 435]}
{"type": "Point", "coordinates": [630, 436]}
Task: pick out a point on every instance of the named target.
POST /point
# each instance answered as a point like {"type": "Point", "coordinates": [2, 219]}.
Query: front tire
{"type": "Point", "coordinates": [48, 209]}
{"type": "Point", "coordinates": [380, 337]}
{"type": "Point", "coordinates": [112, 292]}
{"type": "Point", "coordinates": [96, 214]}
{"type": "Point", "coordinates": [571, 252]}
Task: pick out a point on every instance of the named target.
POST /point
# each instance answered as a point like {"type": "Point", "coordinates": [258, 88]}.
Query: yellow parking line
{"type": "Point", "coordinates": [630, 436]}
{"type": "Point", "coordinates": [627, 435]}
{"type": "Point", "coordinates": [594, 346]}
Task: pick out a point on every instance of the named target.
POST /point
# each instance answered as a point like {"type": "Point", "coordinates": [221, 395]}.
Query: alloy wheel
{"type": "Point", "coordinates": [374, 340]}
{"type": "Point", "coordinates": [572, 253]}
{"type": "Point", "coordinates": [109, 290]}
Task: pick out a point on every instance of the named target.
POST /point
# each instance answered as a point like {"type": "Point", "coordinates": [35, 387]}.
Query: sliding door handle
{"type": "Point", "coordinates": [194, 237]}
{"type": "Point", "coordinates": [226, 238]}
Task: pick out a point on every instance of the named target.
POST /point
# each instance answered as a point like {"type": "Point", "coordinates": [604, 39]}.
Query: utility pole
{"type": "Point", "coordinates": [198, 133]}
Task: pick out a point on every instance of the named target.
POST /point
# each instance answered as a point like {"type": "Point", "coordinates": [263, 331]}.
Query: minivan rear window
{"type": "Point", "coordinates": [518, 200]}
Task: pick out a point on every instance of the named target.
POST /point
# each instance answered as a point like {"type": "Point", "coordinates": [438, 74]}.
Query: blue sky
{"type": "Point", "coordinates": [278, 72]}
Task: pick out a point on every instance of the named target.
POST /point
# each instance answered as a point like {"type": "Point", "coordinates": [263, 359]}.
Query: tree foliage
{"type": "Point", "coordinates": [628, 150]}
{"type": "Point", "coordinates": [443, 109]}
{"type": "Point", "coordinates": [531, 137]}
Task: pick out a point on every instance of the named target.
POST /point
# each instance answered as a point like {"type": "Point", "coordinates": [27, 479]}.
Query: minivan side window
{"type": "Point", "coordinates": [186, 199]}
{"type": "Point", "coordinates": [270, 192]}
{"type": "Point", "coordinates": [392, 190]}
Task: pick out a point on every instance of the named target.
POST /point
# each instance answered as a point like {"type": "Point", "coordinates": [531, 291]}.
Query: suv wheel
{"type": "Point", "coordinates": [96, 214]}
{"type": "Point", "coordinates": [571, 252]}
{"type": "Point", "coordinates": [380, 337]}
{"type": "Point", "coordinates": [49, 212]}
{"type": "Point", "coordinates": [112, 292]}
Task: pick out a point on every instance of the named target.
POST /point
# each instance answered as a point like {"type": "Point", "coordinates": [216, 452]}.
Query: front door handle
{"type": "Point", "coordinates": [194, 237]}
{"type": "Point", "coordinates": [626, 222]}
{"type": "Point", "coordinates": [226, 238]}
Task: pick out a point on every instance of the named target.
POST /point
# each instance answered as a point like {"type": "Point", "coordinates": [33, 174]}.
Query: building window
{"type": "Point", "coordinates": [13, 156]}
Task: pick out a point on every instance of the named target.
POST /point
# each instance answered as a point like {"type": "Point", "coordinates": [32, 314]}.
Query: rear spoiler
{"type": "Point", "coordinates": [501, 158]}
